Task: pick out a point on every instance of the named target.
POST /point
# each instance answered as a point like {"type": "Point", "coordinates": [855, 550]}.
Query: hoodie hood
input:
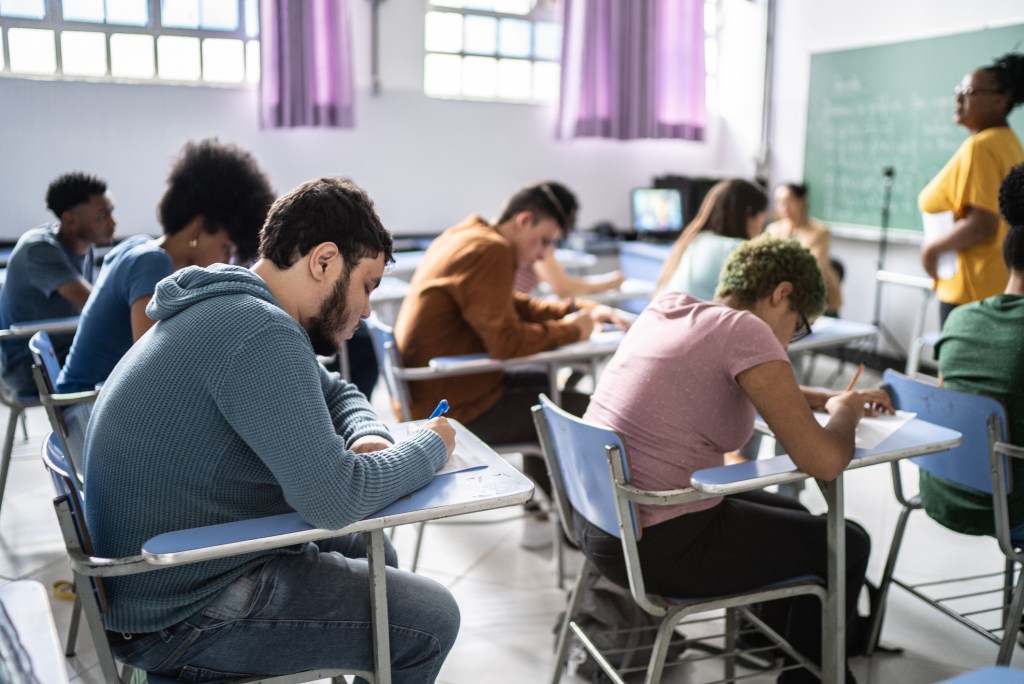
{"type": "Point", "coordinates": [191, 285]}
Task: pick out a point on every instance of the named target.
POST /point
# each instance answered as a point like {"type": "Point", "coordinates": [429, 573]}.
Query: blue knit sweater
{"type": "Point", "coordinates": [220, 413]}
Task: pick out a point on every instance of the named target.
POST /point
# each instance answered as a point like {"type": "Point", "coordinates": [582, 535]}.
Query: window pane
{"type": "Point", "coordinates": [32, 51]}
{"type": "Point", "coordinates": [710, 17]}
{"type": "Point", "coordinates": [178, 58]}
{"type": "Point", "coordinates": [129, 12]}
{"type": "Point", "coordinates": [442, 75]}
{"type": "Point", "coordinates": [514, 38]}
{"type": "Point", "coordinates": [223, 60]}
{"type": "Point", "coordinates": [132, 56]}
{"type": "Point", "coordinates": [2, 63]}
{"type": "Point", "coordinates": [219, 15]}
{"type": "Point", "coordinates": [479, 4]}
{"type": "Point", "coordinates": [546, 81]}
{"type": "Point", "coordinates": [446, 3]}
{"type": "Point", "coordinates": [30, 9]}
{"type": "Point", "coordinates": [83, 10]}
{"type": "Point", "coordinates": [83, 53]}
{"type": "Point", "coordinates": [547, 40]}
{"type": "Point", "coordinates": [512, 6]}
{"type": "Point", "coordinates": [514, 79]}
{"type": "Point", "coordinates": [443, 32]}
{"type": "Point", "coordinates": [252, 61]}
{"type": "Point", "coordinates": [481, 34]}
{"type": "Point", "coordinates": [252, 18]}
{"type": "Point", "coordinates": [479, 76]}
{"type": "Point", "coordinates": [180, 13]}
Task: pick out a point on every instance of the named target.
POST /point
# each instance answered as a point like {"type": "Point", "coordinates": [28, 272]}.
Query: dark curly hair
{"type": "Point", "coordinates": [545, 200]}
{"type": "Point", "coordinates": [756, 268]}
{"type": "Point", "coordinates": [325, 210]}
{"type": "Point", "coordinates": [223, 184]}
{"type": "Point", "coordinates": [1009, 73]}
{"type": "Point", "coordinates": [1011, 206]}
{"type": "Point", "coordinates": [71, 189]}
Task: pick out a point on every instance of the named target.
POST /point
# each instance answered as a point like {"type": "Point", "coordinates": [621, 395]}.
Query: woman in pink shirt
{"type": "Point", "coordinates": [682, 390]}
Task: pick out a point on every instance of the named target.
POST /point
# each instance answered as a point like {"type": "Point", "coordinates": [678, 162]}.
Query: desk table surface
{"type": "Point", "coordinates": [495, 485]}
{"type": "Point", "coordinates": [833, 332]}
{"type": "Point", "coordinates": [27, 607]}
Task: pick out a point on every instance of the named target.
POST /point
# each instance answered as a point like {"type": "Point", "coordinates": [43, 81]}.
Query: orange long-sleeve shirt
{"type": "Point", "coordinates": [461, 301]}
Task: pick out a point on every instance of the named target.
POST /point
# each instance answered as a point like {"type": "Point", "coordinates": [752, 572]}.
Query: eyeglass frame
{"type": "Point", "coordinates": [802, 330]}
{"type": "Point", "coordinates": [967, 91]}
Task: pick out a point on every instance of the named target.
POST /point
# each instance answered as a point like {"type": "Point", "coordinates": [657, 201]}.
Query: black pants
{"type": "Point", "coordinates": [944, 310]}
{"type": "Point", "coordinates": [510, 421]}
{"type": "Point", "coordinates": [748, 540]}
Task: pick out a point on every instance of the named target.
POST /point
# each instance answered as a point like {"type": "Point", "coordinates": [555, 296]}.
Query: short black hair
{"type": "Point", "coordinates": [222, 183]}
{"type": "Point", "coordinates": [798, 190]}
{"type": "Point", "coordinates": [549, 200]}
{"type": "Point", "coordinates": [71, 189]}
{"type": "Point", "coordinates": [324, 210]}
{"type": "Point", "coordinates": [1011, 206]}
{"type": "Point", "coordinates": [1008, 71]}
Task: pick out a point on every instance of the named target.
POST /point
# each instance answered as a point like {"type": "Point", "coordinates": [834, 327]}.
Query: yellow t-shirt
{"type": "Point", "coordinates": [972, 178]}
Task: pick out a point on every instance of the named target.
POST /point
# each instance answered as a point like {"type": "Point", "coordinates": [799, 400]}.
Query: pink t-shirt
{"type": "Point", "coordinates": [671, 392]}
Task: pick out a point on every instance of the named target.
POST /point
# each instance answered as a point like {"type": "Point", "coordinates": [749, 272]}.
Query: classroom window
{"type": "Point", "coordinates": [503, 50]}
{"type": "Point", "coordinates": [169, 41]}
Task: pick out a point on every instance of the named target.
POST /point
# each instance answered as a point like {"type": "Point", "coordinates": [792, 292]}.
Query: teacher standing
{"type": "Point", "coordinates": [968, 186]}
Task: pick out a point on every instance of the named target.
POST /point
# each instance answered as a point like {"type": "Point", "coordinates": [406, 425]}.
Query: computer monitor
{"type": "Point", "coordinates": [656, 211]}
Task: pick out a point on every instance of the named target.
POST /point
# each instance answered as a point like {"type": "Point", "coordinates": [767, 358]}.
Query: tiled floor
{"type": "Point", "coordinates": [508, 596]}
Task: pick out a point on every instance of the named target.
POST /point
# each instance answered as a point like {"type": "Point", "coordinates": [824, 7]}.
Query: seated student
{"type": "Point", "coordinates": [732, 211]}
{"type": "Point", "coordinates": [461, 301]}
{"type": "Point", "coordinates": [548, 270]}
{"type": "Point", "coordinates": [50, 271]}
{"type": "Point", "coordinates": [682, 391]}
{"type": "Point", "coordinates": [247, 423]}
{"type": "Point", "coordinates": [980, 351]}
{"type": "Point", "coordinates": [212, 210]}
{"type": "Point", "coordinates": [794, 222]}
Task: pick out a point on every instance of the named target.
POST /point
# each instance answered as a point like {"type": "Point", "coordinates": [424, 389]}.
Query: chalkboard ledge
{"type": "Point", "coordinates": [874, 234]}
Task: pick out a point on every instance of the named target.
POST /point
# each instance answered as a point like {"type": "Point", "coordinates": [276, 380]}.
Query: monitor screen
{"type": "Point", "coordinates": [657, 210]}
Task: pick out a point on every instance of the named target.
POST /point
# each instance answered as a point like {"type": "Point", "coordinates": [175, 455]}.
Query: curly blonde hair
{"type": "Point", "coordinates": [756, 268]}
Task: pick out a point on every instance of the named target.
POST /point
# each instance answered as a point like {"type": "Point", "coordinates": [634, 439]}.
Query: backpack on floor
{"type": "Point", "coordinates": [614, 622]}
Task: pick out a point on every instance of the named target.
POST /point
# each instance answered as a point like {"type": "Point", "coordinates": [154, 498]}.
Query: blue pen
{"type": "Point", "coordinates": [442, 408]}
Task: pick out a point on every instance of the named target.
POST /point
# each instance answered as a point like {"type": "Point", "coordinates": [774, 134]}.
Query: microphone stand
{"type": "Point", "coordinates": [876, 320]}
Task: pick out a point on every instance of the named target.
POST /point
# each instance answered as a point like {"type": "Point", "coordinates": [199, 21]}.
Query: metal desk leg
{"type": "Point", "coordinates": [379, 606]}
{"type": "Point", "coordinates": [556, 393]}
{"type": "Point", "coordinates": [833, 633]}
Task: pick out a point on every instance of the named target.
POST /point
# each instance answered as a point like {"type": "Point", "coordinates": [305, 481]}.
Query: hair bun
{"type": "Point", "coordinates": [1011, 196]}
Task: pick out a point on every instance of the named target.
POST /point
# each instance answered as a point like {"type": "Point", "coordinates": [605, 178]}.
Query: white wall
{"type": "Point", "coordinates": [426, 162]}
{"type": "Point", "coordinates": [806, 26]}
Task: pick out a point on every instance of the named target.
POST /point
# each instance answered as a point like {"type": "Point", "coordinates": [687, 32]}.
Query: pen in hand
{"type": "Point", "coordinates": [849, 388]}
{"type": "Point", "coordinates": [442, 408]}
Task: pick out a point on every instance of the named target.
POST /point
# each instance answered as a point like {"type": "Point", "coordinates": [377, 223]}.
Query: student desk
{"type": "Point", "coordinates": [54, 326]}
{"type": "Point", "coordinates": [571, 260]}
{"type": "Point", "coordinates": [600, 345]}
{"type": "Point", "coordinates": [833, 332]}
{"type": "Point", "coordinates": [916, 438]}
{"type": "Point", "coordinates": [496, 484]}
{"type": "Point", "coordinates": [388, 297]}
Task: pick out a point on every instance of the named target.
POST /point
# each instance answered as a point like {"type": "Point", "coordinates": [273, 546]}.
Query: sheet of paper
{"type": "Point", "coordinates": [872, 431]}
{"type": "Point", "coordinates": [935, 227]}
{"type": "Point", "coordinates": [460, 461]}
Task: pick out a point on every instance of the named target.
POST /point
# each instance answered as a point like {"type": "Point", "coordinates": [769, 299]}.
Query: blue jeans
{"type": "Point", "coordinates": [302, 612]}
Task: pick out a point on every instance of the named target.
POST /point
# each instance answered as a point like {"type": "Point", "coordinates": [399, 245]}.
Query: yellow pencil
{"type": "Point", "coordinates": [856, 376]}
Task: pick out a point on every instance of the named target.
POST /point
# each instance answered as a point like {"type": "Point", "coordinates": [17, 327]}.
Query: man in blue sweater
{"type": "Point", "coordinates": [223, 413]}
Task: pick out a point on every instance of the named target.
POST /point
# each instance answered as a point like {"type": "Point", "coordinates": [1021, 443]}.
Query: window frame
{"type": "Point", "coordinates": [55, 21]}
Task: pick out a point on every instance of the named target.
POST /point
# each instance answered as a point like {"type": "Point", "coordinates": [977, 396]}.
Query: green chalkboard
{"type": "Point", "coordinates": [890, 105]}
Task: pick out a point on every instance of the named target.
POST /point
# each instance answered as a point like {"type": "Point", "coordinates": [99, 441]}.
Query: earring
{"type": "Point", "coordinates": [193, 242]}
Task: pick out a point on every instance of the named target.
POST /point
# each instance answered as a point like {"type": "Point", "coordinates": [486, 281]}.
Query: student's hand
{"type": "Point", "coordinates": [930, 260]}
{"type": "Point", "coordinates": [848, 403]}
{"type": "Point", "coordinates": [876, 402]}
{"type": "Point", "coordinates": [365, 445]}
{"type": "Point", "coordinates": [444, 429]}
{"type": "Point", "coordinates": [583, 322]}
{"type": "Point", "coordinates": [605, 314]}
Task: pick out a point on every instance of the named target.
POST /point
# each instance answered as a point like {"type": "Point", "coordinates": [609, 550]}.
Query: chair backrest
{"type": "Point", "coordinates": [45, 355]}
{"type": "Point", "coordinates": [577, 457]}
{"type": "Point", "coordinates": [383, 337]}
{"type": "Point", "coordinates": [981, 420]}
{"type": "Point", "coordinates": [46, 368]}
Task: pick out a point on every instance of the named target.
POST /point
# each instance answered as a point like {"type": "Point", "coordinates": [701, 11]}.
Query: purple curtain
{"type": "Point", "coordinates": [633, 69]}
{"type": "Point", "coordinates": [306, 64]}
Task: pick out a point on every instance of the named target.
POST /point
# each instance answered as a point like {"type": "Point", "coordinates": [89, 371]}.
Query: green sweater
{"type": "Point", "coordinates": [981, 351]}
{"type": "Point", "coordinates": [221, 413]}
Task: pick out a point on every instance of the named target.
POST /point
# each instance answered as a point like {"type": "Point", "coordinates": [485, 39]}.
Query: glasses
{"type": "Point", "coordinates": [802, 330]}
{"type": "Point", "coordinates": [967, 91]}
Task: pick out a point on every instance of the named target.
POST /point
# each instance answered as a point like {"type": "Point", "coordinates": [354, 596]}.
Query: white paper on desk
{"type": "Point", "coordinates": [872, 431]}
{"type": "Point", "coordinates": [460, 461]}
{"type": "Point", "coordinates": [935, 227]}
